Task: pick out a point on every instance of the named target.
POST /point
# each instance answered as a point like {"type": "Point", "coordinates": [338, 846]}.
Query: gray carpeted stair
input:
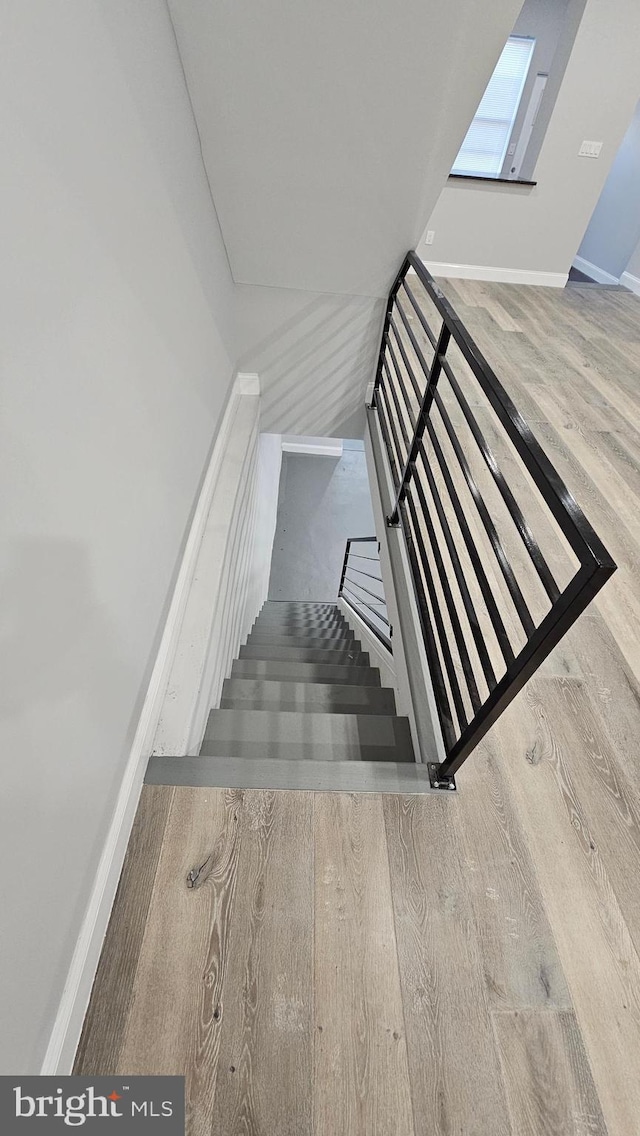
{"type": "Point", "coordinates": [302, 689]}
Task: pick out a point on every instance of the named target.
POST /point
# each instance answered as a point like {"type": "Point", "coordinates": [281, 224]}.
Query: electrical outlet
{"type": "Point", "coordinates": [590, 150]}
{"type": "Point", "coordinates": [428, 240]}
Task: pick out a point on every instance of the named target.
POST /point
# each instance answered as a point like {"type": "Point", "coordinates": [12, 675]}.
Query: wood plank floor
{"type": "Point", "coordinates": [461, 964]}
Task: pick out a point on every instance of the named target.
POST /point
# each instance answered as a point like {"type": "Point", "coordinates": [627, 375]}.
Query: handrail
{"type": "Point", "coordinates": [378, 620]}
{"type": "Point", "coordinates": [464, 548]}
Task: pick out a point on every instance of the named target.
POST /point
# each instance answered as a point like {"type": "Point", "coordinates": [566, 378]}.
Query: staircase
{"type": "Point", "coordinates": [302, 689]}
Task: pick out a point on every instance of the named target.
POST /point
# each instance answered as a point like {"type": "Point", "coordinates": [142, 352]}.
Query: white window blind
{"type": "Point", "coordinates": [484, 148]}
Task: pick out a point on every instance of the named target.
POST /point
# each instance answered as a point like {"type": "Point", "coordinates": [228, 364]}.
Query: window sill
{"type": "Point", "coordinates": [483, 177]}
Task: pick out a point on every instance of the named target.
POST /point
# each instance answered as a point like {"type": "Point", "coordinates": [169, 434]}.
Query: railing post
{"type": "Point", "coordinates": [344, 566]}
{"type": "Point", "coordinates": [385, 327]}
{"type": "Point", "coordinates": [421, 425]}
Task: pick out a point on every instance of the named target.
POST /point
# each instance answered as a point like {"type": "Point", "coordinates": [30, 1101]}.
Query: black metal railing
{"type": "Point", "coordinates": [502, 558]}
{"type": "Point", "coordinates": [361, 585]}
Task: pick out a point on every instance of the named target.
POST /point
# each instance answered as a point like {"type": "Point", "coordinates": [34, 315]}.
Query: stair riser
{"type": "Point", "coordinates": [317, 698]}
{"type": "Point", "coordinates": [283, 671]}
{"type": "Point", "coordinates": [235, 703]}
{"type": "Point", "coordinates": [332, 737]}
{"type": "Point", "coordinates": [306, 641]}
{"type": "Point", "coordinates": [303, 655]}
{"type": "Point", "coordinates": [301, 605]}
{"type": "Point", "coordinates": [302, 692]}
{"type": "Point", "coordinates": [327, 624]}
{"type": "Point", "coordinates": [302, 752]}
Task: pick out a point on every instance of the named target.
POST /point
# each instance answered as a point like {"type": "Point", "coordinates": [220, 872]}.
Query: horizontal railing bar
{"type": "Point", "coordinates": [443, 640]}
{"type": "Point", "coordinates": [431, 335]}
{"type": "Point", "coordinates": [362, 540]}
{"type": "Point", "coordinates": [415, 386]}
{"type": "Point", "coordinates": [396, 366]}
{"type": "Point", "coordinates": [412, 378]}
{"type": "Point", "coordinates": [382, 419]}
{"type": "Point", "coordinates": [490, 529]}
{"type": "Point", "coordinates": [572, 521]}
{"type": "Point", "coordinates": [469, 606]}
{"type": "Point", "coordinates": [360, 555]}
{"type": "Point", "coordinates": [426, 366]}
{"type": "Point", "coordinates": [443, 705]}
{"type": "Point", "coordinates": [398, 453]}
{"type": "Point", "coordinates": [577, 595]}
{"type": "Point", "coordinates": [539, 562]}
{"type": "Point", "coordinates": [374, 595]}
{"type": "Point", "coordinates": [370, 607]}
{"type": "Point", "coordinates": [362, 572]}
{"type": "Point", "coordinates": [392, 390]}
{"type": "Point", "coordinates": [398, 338]}
{"type": "Point", "coordinates": [425, 409]}
{"type": "Point", "coordinates": [485, 588]}
{"type": "Point", "coordinates": [450, 603]}
{"type": "Point", "coordinates": [377, 631]}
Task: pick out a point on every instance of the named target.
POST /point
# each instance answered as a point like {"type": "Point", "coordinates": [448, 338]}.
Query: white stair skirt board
{"type": "Point", "coordinates": [592, 270]}
{"type": "Point", "coordinates": [497, 275]}
{"type": "Point", "coordinates": [631, 282]}
{"type": "Point", "coordinates": [323, 447]}
{"type": "Point", "coordinates": [237, 432]}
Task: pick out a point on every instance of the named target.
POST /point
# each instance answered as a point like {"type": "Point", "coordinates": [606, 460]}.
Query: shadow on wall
{"type": "Point", "coordinates": [315, 367]}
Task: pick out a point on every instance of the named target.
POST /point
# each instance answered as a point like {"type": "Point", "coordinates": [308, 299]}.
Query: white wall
{"type": "Point", "coordinates": [545, 21]}
{"type": "Point", "coordinates": [114, 375]}
{"type": "Point", "coordinates": [614, 229]}
{"type": "Point", "coordinates": [538, 230]}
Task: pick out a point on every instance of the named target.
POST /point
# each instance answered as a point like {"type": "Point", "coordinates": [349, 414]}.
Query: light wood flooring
{"type": "Point", "coordinates": [464, 964]}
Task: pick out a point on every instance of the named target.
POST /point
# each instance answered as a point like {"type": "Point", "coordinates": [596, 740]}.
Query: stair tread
{"type": "Point", "coordinates": [261, 694]}
{"type": "Point", "coordinates": [283, 669]}
{"type": "Point", "coordinates": [303, 654]}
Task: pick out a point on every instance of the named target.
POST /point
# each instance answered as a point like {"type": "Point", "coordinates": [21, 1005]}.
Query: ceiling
{"type": "Point", "coordinates": [328, 126]}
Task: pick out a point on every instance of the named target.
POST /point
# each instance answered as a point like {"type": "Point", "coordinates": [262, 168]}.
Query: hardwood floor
{"type": "Point", "coordinates": [422, 965]}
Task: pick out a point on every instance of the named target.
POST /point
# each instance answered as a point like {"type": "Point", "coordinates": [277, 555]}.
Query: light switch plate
{"type": "Point", "coordinates": [428, 240]}
{"type": "Point", "coordinates": [590, 150]}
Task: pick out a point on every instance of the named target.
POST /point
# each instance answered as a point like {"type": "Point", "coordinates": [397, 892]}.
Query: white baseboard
{"type": "Point", "coordinates": [631, 282]}
{"type": "Point", "coordinates": [324, 447]}
{"type": "Point", "coordinates": [497, 275]}
{"type": "Point", "coordinates": [592, 270]}
{"type": "Point", "coordinates": [67, 1027]}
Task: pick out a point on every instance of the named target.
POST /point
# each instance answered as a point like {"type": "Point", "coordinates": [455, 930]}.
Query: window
{"type": "Point", "coordinates": [485, 146]}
